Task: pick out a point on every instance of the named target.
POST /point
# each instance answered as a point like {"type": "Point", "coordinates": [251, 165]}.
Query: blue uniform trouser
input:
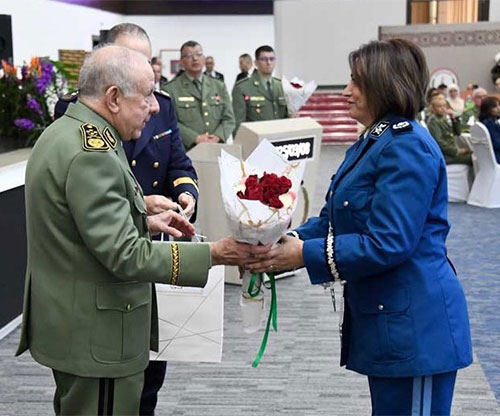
{"type": "Point", "coordinates": [154, 375]}
{"type": "Point", "coordinates": [415, 396]}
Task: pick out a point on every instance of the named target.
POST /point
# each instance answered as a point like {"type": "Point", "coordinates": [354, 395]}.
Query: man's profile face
{"type": "Point", "coordinates": [209, 64]}
{"type": "Point", "coordinates": [265, 63]}
{"type": "Point", "coordinates": [193, 60]}
{"type": "Point", "coordinates": [137, 107]}
{"type": "Point", "coordinates": [157, 72]}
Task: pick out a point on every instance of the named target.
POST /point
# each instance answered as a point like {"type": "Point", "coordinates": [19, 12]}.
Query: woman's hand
{"type": "Point", "coordinates": [187, 203]}
{"type": "Point", "coordinates": [286, 255]}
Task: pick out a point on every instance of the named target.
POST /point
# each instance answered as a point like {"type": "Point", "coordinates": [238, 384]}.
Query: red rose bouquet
{"type": "Point", "coordinates": [297, 92]}
{"type": "Point", "coordinates": [259, 198]}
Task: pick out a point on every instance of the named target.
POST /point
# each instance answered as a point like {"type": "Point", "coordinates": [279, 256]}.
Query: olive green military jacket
{"type": "Point", "coordinates": [252, 100]}
{"type": "Point", "coordinates": [89, 306]}
{"type": "Point", "coordinates": [207, 112]}
{"type": "Point", "coordinates": [444, 134]}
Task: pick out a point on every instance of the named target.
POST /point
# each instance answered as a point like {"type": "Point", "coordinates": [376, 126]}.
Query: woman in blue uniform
{"type": "Point", "coordinates": [382, 234]}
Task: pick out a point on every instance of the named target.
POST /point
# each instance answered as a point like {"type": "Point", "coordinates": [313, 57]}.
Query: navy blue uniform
{"type": "Point", "coordinates": [382, 231]}
{"type": "Point", "coordinates": [160, 164]}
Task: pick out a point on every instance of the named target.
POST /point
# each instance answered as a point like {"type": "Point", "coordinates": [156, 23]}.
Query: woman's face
{"type": "Point", "coordinates": [453, 93]}
{"type": "Point", "coordinates": [358, 107]}
{"type": "Point", "coordinates": [495, 111]}
{"type": "Point", "coordinates": [439, 106]}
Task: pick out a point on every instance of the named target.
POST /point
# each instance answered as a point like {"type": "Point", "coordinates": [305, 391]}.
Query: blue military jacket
{"type": "Point", "coordinates": [158, 158]}
{"type": "Point", "coordinates": [383, 230]}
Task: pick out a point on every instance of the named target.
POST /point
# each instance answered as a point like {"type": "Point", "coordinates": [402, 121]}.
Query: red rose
{"type": "Point", "coordinates": [266, 189]}
{"type": "Point", "coordinates": [295, 85]}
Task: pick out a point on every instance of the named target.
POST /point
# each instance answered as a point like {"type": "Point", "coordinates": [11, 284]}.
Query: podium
{"type": "Point", "coordinates": [211, 216]}
{"type": "Point", "coordinates": [297, 139]}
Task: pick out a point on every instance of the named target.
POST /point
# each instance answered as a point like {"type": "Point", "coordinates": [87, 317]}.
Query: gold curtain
{"type": "Point", "coordinates": [458, 11]}
{"type": "Point", "coordinates": [419, 12]}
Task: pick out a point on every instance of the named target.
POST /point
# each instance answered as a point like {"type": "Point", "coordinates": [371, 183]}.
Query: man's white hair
{"type": "Point", "coordinates": [109, 65]}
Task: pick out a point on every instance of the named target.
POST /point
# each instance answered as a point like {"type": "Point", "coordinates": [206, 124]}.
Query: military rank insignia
{"type": "Point", "coordinates": [379, 129]}
{"type": "Point", "coordinates": [109, 138]}
{"type": "Point", "coordinates": [92, 140]}
{"type": "Point", "coordinates": [402, 126]}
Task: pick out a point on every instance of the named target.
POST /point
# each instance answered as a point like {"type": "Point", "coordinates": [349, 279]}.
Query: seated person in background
{"type": "Point", "coordinates": [443, 132]}
{"type": "Point", "coordinates": [497, 87]}
{"type": "Point", "coordinates": [245, 62]}
{"type": "Point", "coordinates": [210, 71]}
{"type": "Point", "coordinates": [456, 103]}
{"type": "Point", "coordinates": [489, 115]}
{"type": "Point", "coordinates": [443, 89]}
{"type": "Point", "coordinates": [466, 94]}
{"type": "Point", "coordinates": [160, 80]}
{"type": "Point", "coordinates": [471, 115]}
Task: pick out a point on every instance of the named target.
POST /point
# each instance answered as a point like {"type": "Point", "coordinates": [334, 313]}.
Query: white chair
{"type": "Point", "coordinates": [458, 182]}
{"type": "Point", "coordinates": [485, 190]}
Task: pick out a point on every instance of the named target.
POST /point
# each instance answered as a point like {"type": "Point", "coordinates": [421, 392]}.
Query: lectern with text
{"type": "Point", "coordinates": [297, 139]}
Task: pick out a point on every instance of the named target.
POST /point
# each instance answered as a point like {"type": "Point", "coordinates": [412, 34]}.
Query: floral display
{"type": "Point", "coordinates": [267, 189]}
{"type": "Point", "coordinates": [28, 95]}
{"type": "Point", "coordinates": [297, 92]}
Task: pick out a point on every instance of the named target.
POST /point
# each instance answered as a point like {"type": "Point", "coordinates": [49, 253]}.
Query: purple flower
{"type": "Point", "coordinates": [45, 77]}
{"type": "Point", "coordinates": [24, 71]}
{"type": "Point", "coordinates": [24, 123]}
{"type": "Point", "coordinates": [34, 106]}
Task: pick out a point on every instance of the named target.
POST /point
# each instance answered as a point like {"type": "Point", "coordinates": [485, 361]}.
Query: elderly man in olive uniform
{"type": "Point", "coordinates": [89, 308]}
{"type": "Point", "coordinates": [261, 96]}
{"type": "Point", "coordinates": [471, 115]}
{"type": "Point", "coordinates": [444, 132]}
{"type": "Point", "coordinates": [202, 103]}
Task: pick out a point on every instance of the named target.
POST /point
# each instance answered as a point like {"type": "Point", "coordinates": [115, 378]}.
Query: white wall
{"type": "Point", "coordinates": [41, 27]}
{"type": "Point", "coordinates": [494, 11]}
{"type": "Point", "coordinates": [314, 37]}
{"type": "Point", "coordinates": [223, 37]}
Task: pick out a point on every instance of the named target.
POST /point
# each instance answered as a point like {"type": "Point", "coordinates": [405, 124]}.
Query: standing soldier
{"type": "Point", "coordinates": [261, 96]}
{"type": "Point", "coordinates": [159, 162]}
{"type": "Point", "coordinates": [202, 103]}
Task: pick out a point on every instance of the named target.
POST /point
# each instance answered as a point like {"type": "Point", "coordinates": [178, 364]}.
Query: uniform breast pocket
{"type": "Point", "coordinates": [256, 110]}
{"type": "Point", "coordinates": [188, 111]}
{"type": "Point", "coordinates": [383, 328]}
{"type": "Point", "coordinates": [215, 108]}
{"type": "Point", "coordinates": [122, 322]}
{"type": "Point", "coordinates": [352, 208]}
{"type": "Point", "coordinates": [283, 112]}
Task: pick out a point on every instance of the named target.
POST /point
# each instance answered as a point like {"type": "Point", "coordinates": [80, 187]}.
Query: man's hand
{"type": "Point", "coordinates": [187, 202]}
{"type": "Point", "coordinates": [228, 251]}
{"type": "Point", "coordinates": [463, 151]}
{"type": "Point", "coordinates": [214, 139]}
{"type": "Point", "coordinates": [158, 203]}
{"type": "Point", "coordinates": [170, 223]}
{"type": "Point", "coordinates": [207, 138]}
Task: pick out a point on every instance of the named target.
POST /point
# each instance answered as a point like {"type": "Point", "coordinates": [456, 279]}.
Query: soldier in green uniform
{"type": "Point", "coordinates": [89, 307]}
{"type": "Point", "coordinates": [444, 133]}
{"type": "Point", "coordinates": [202, 103]}
{"type": "Point", "coordinates": [261, 96]}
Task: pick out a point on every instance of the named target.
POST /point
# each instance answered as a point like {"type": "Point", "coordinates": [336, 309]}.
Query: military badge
{"type": "Point", "coordinates": [379, 129]}
{"type": "Point", "coordinates": [246, 97]}
{"type": "Point", "coordinates": [109, 138]}
{"type": "Point", "coordinates": [92, 140]}
{"type": "Point", "coordinates": [402, 126]}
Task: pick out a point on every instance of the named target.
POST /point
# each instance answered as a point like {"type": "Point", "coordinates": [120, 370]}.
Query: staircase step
{"type": "Point", "coordinates": [322, 115]}
{"type": "Point", "coordinates": [326, 99]}
{"type": "Point", "coordinates": [327, 107]}
{"type": "Point", "coordinates": [335, 138]}
{"type": "Point", "coordinates": [336, 121]}
{"type": "Point", "coordinates": [341, 129]}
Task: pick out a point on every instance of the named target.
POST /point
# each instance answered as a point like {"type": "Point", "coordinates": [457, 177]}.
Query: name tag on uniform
{"type": "Point", "coordinates": [257, 98]}
{"type": "Point", "coordinates": [186, 98]}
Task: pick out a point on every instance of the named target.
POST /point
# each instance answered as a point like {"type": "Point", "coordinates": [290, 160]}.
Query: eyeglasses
{"type": "Point", "coordinates": [268, 59]}
{"type": "Point", "coordinates": [192, 55]}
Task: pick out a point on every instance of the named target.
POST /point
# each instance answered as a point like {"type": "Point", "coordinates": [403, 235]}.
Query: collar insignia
{"type": "Point", "coordinates": [92, 141]}
{"type": "Point", "coordinates": [109, 138]}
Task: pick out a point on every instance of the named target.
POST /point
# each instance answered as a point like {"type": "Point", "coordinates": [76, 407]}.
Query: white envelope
{"type": "Point", "coordinates": [191, 321]}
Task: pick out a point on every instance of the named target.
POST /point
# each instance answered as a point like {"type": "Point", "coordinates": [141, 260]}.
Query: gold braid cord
{"type": "Point", "coordinates": [175, 263]}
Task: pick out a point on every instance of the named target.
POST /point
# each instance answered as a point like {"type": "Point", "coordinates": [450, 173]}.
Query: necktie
{"type": "Point", "coordinates": [197, 84]}
{"type": "Point", "coordinates": [269, 88]}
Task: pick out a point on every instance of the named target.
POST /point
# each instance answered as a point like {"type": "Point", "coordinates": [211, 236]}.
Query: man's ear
{"type": "Point", "coordinates": [113, 99]}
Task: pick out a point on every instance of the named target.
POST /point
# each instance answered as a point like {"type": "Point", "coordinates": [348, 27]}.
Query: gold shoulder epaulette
{"type": "Point", "coordinates": [71, 96]}
{"type": "Point", "coordinates": [92, 141]}
{"type": "Point", "coordinates": [163, 94]}
{"type": "Point", "coordinates": [109, 138]}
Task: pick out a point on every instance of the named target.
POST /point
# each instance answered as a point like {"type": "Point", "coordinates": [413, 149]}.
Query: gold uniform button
{"type": "Point", "coordinates": [205, 113]}
{"type": "Point", "coordinates": [346, 203]}
{"type": "Point", "coordinates": [257, 110]}
{"type": "Point", "coordinates": [156, 165]}
{"type": "Point", "coordinates": [380, 307]}
{"type": "Point", "coordinates": [207, 123]}
{"type": "Point", "coordinates": [133, 163]}
{"type": "Point", "coordinates": [129, 306]}
{"type": "Point", "coordinates": [204, 104]}
{"type": "Point", "coordinates": [155, 184]}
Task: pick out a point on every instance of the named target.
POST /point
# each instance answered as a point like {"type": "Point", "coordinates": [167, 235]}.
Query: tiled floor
{"type": "Point", "coordinates": [299, 374]}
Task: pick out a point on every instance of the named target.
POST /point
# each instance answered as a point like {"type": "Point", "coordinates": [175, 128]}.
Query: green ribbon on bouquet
{"type": "Point", "coordinates": [253, 291]}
